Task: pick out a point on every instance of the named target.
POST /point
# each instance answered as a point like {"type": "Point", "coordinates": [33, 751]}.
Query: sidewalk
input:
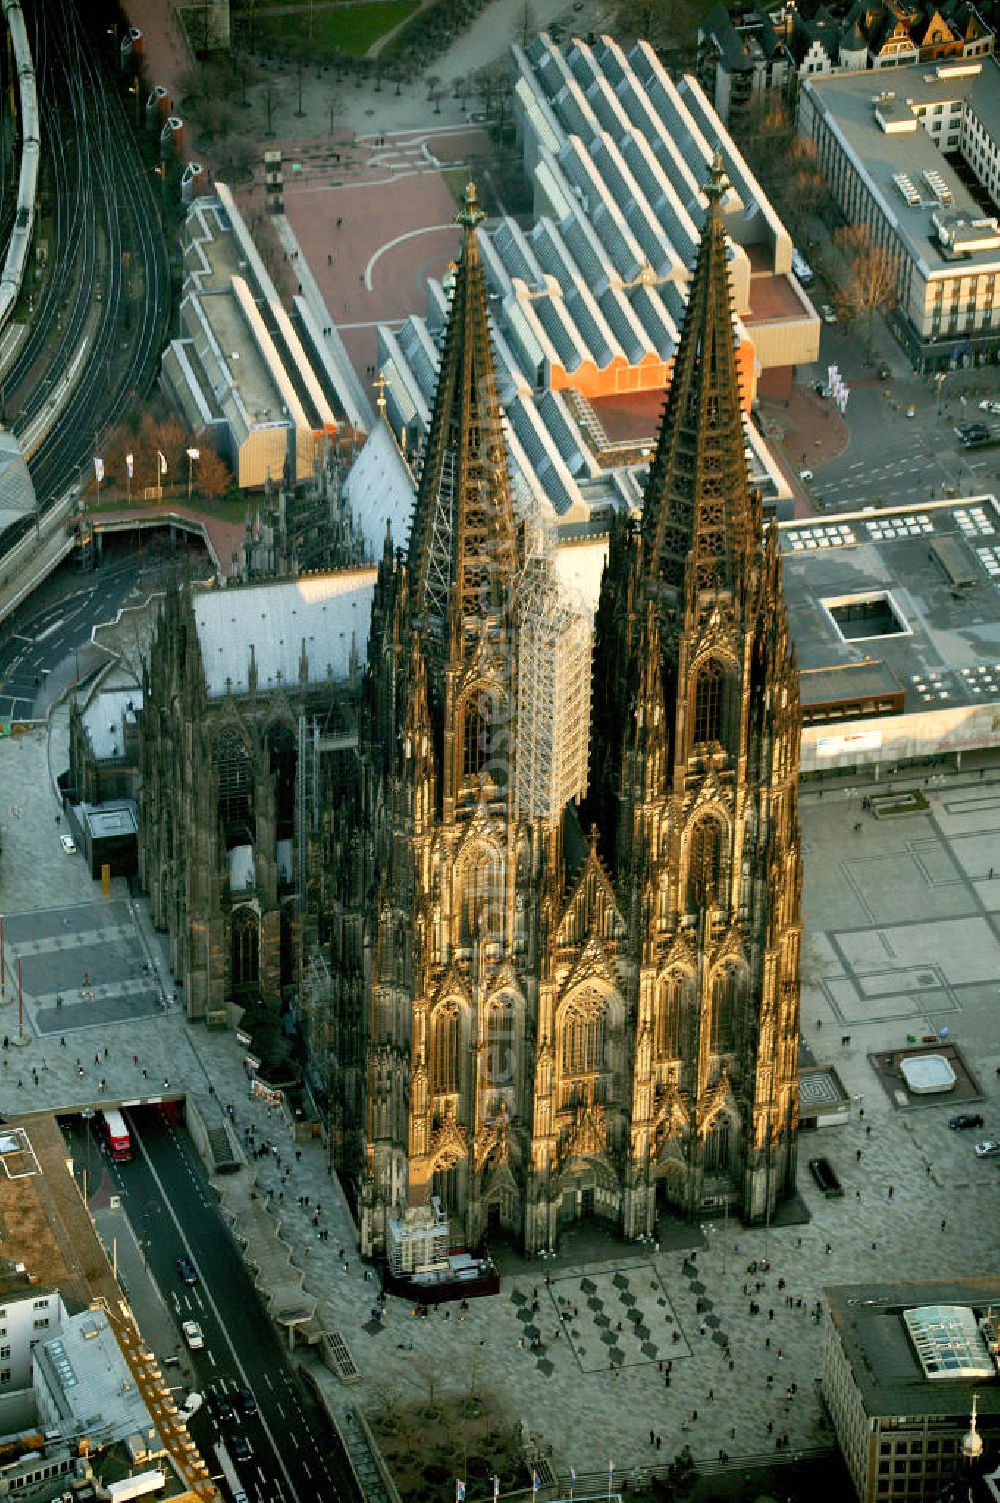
{"type": "Point", "coordinates": [293, 1218]}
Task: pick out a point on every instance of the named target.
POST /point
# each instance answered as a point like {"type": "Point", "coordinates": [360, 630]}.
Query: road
{"type": "Point", "coordinates": [173, 1214]}
{"type": "Point", "coordinates": [56, 623]}
{"type": "Point", "coordinates": [892, 459]}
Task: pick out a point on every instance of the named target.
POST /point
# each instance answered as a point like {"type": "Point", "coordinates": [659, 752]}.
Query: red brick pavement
{"type": "Point", "coordinates": [802, 433]}
{"type": "Point", "coordinates": [372, 215]}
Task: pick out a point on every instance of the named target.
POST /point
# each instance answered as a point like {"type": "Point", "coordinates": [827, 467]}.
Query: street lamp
{"type": "Point", "coordinates": [192, 455]}
{"type": "Point", "coordinates": [88, 1115]}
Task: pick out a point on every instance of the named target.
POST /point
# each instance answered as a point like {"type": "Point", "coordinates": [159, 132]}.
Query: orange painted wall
{"type": "Point", "coordinates": [651, 374]}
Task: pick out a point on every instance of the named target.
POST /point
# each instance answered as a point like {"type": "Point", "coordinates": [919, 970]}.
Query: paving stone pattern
{"type": "Point", "coordinates": [726, 1379]}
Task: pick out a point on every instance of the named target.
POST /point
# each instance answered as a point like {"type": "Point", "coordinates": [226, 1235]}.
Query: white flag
{"type": "Point", "coordinates": [163, 462]}
{"type": "Point", "coordinates": [99, 469]}
{"type": "Point", "coordinates": [129, 464]}
{"type": "Point", "coordinates": [193, 453]}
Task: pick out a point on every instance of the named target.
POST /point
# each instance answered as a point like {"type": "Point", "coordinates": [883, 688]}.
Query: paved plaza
{"type": "Point", "coordinates": [903, 938]}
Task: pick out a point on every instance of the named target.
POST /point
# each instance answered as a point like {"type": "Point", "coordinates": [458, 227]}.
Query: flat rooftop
{"type": "Point", "coordinates": [869, 1319]}
{"type": "Point", "coordinates": [91, 1384]}
{"type": "Point", "coordinates": [245, 365]}
{"type": "Point", "coordinates": [847, 99]}
{"type": "Point", "coordinates": [107, 821]}
{"type": "Point", "coordinates": [875, 593]}
{"type": "Point", "coordinates": [772, 298]}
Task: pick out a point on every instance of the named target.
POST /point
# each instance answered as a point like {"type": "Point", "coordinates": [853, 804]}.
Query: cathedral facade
{"type": "Point", "coordinates": [574, 1002]}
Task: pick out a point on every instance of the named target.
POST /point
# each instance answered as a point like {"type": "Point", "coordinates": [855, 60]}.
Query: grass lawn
{"type": "Point", "coordinates": [348, 28]}
{"type": "Point", "coordinates": [456, 180]}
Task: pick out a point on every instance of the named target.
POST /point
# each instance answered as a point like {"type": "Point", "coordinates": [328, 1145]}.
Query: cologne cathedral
{"type": "Point", "coordinates": [559, 1007]}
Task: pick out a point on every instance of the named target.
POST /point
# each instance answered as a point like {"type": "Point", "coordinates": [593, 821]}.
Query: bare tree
{"type": "Point", "coordinates": [525, 23]}
{"type": "Point", "coordinates": [430, 1371]}
{"type": "Point", "coordinates": [650, 21]}
{"type": "Point", "coordinates": [870, 278]}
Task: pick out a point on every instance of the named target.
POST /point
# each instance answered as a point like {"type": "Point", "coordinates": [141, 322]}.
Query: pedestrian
{"type": "Point", "coordinates": [857, 1155]}
{"type": "Point", "coordinates": [62, 1042]}
{"type": "Point", "coordinates": [944, 1220]}
{"type": "Point", "coordinates": [135, 1060]}
{"type": "Point", "coordinates": [890, 1192]}
{"type": "Point", "coordinates": [105, 1051]}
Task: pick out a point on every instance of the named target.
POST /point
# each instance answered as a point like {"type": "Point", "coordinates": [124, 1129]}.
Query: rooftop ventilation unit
{"type": "Point", "coordinates": [905, 185]}
{"type": "Point", "coordinates": [938, 187]}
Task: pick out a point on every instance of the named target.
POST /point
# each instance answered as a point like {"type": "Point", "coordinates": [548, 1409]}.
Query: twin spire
{"type": "Point", "coordinates": [463, 548]}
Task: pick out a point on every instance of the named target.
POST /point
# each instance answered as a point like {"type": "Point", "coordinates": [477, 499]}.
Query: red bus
{"type": "Point", "coordinates": [116, 1134]}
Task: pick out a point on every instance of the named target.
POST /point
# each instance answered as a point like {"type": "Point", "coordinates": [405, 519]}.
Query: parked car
{"type": "Point", "coordinates": [884, 371]}
{"type": "Point", "coordinates": [911, 411]}
{"type": "Point", "coordinates": [828, 313]}
{"type": "Point", "coordinates": [988, 1148]}
{"type": "Point", "coordinates": [972, 430]}
{"type": "Point", "coordinates": [990, 404]}
{"type": "Point", "coordinates": [187, 1271]}
{"type": "Point", "coordinates": [193, 1335]}
{"type": "Point", "coordinates": [965, 1120]}
{"type": "Point", "coordinates": [68, 844]}
{"type": "Point", "coordinates": [821, 389]}
{"type": "Point", "coordinates": [190, 1406]}
{"type": "Point", "coordinates": [805, 474]}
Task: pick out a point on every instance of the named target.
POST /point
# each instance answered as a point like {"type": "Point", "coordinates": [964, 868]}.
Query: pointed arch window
{"type": "Point", "coordinates": [704, 861]}
{"type": "Point", "coordinates": [584, 1037]}
{"type": "Point", "coordinates": [477, 734]}
{"type": "Point", "coordinates": [480, 898]}
{"type": "Point", "coordinates": [672, 1016]}
{"type": "Point", "coordinates": [727, 990]}
{"type": "Point", "coordinates": [717, 1146]}
{"type": "Point", "coordinates": [234, 770]}
{"type": "Point", "coordinates": [713, 705]}
{"type": "Point", "coordinates": [498, 1062]}
{"type": "Point", "coordinates": [244, 947]}
{"type": "Point", "coordinates": [444, 1051]}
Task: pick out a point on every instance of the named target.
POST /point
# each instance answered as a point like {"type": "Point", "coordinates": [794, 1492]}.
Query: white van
{"type": "Point", "coordinates": [801, 268]}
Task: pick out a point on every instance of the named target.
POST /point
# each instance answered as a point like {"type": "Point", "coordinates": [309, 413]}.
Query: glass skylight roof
{"type": "Point", "coordinates": [947, 1342]}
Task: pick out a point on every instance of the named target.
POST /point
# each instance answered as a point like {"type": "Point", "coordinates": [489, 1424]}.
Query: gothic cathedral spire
{"type": "Point", "coordinates": [463, 543]}
{"type": "Point", "coordinates": [698, 496]}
